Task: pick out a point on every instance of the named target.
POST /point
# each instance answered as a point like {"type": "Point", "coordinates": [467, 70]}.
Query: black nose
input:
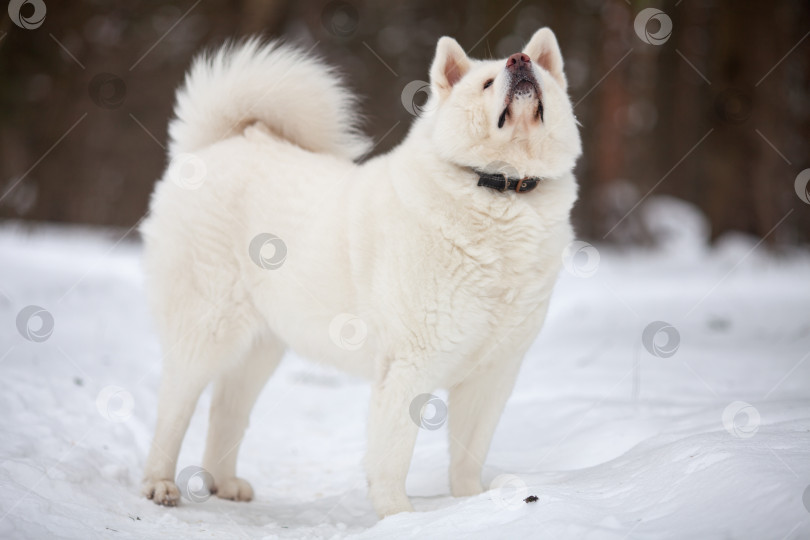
{"type": "Point", "coordinates": [518, 61]}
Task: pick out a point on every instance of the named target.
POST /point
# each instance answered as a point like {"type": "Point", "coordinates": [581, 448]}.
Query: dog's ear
{"type": "Point", "coordinates": [449, 66]}
{"type": "Point", "coordinates": [545, 52]}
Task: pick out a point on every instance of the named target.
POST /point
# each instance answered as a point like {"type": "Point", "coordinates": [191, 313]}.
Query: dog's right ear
{"type": "Point", "coordinates": [449, 66]}
{"type": "Point", "coordinates": [545, 52]}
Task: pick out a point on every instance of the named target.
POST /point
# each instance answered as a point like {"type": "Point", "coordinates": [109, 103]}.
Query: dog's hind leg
{"type": "Point", "coordinates": [235, 392]}
{"type": "Point", "coordinates": [182, 382]}
{"type": "Point", "coordinates": [196, 350]}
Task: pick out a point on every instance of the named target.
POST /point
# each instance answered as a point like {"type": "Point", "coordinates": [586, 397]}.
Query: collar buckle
{"type": "Point", "coordinates": [525, 184]}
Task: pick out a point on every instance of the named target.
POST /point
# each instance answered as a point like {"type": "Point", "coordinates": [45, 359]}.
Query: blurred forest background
{"type": "Point", "coordinates": [717, 114]}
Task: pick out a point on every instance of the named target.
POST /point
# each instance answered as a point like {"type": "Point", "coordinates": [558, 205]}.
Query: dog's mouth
{"type": "Point", "coordinates": [523, 88]}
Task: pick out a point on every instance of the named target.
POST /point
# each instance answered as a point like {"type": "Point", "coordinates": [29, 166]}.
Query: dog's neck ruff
{"type": "Point", "coordinates": [501, 182]}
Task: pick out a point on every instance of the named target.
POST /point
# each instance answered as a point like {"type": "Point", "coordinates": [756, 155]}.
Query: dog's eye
{"type": "Point", "coordinates": [488, 83]}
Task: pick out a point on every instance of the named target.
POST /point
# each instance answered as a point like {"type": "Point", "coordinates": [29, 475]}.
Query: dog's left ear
{"type": "Point", "coordinates": [449, 66]}
{"type": "Point", "coordinates": [545, 52]}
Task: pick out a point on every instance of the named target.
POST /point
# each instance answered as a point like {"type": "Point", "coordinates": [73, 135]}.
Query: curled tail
{"type": "Point", "coordinates": [297, 96]}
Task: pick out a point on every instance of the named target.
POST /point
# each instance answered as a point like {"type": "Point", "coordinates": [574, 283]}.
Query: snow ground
{"type": "Point", "coordinates": [614, 441]}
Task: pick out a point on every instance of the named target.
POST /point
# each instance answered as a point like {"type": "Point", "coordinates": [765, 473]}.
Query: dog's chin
{"type": "Point", "coordinates": [521, 106]}
{"type": "Point", "coordinates": [522, 100]}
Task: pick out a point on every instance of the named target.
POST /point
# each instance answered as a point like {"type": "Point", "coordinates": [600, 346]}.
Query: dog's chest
{"type": "Point", "coordinates": [503, 262]}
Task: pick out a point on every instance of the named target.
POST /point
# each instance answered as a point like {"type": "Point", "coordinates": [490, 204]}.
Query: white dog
{"type": "Point", "coordinates": [441, 254]}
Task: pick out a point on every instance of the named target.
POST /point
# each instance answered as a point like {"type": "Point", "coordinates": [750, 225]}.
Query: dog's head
{"type": "Point", "coordinates": [513, 111]}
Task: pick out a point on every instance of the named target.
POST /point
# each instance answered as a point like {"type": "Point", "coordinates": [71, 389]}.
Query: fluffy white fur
{"type": "Point", "coordinates": [300, 97]}
{"type": "Point", "coordinates": [451, 281]}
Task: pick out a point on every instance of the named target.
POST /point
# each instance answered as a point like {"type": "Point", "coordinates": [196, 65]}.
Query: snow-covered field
{"type": "Point", "coordinates": [708, 438]}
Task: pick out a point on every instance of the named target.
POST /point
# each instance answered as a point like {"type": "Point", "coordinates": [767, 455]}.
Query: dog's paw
{"type": "Point", "coordinates": [388, 504]}
{"type": "Point", "coordinates": [234, 489]}
{"type": "Point", "coordinates": [163, 492]}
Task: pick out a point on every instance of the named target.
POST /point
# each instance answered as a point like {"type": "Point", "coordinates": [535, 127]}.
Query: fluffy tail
{"type": "Point", "coordinates": [295, 95]}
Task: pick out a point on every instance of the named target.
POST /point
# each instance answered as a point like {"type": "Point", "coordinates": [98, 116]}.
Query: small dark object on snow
{"type": "Point", "coordinates": [530, 499]}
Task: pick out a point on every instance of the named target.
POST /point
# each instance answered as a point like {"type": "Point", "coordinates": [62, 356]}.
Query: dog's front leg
{"type": "Point", "coordinates": [391, 437]}
{"type": "Point", "coordinates": [476, 403]}
{"type": "Point", "coordinates": [475, 409]}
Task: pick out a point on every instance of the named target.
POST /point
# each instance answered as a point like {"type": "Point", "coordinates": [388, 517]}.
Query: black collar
{"type": "Point", "coordinates": [501, 182]}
